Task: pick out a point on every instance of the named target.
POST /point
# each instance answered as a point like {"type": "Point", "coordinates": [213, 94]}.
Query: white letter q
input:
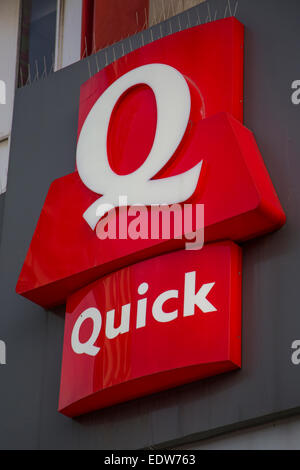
{"type": "Point", "coordinates": [173, 102]}
{"type": "Point", "coordinates": [88, 347]}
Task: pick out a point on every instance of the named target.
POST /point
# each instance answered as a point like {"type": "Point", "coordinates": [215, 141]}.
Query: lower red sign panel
{"type": "Point", "coordinates": [154, 325]}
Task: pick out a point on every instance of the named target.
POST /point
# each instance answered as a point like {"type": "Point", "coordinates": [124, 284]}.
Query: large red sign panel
{"type": "Point", "coordinates": [161, 125]}
{"type": "Point", "coordinates": [234, 186]}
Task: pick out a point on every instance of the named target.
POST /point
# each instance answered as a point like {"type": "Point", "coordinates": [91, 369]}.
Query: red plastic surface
{"type": "Point", "coordinates": [158, 355]}
{"type": "Point", "coordinates": [87, 18]}
{"type": "Point", "coordinates": [115, 20]}
{"type": "Point", "coordinates": [104, 22]}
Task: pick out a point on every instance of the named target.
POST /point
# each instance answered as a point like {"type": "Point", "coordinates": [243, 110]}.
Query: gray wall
{"type": "Point", "coordinates": [278, 435]}
{"type": "Point", "coordinates": [43, 148]}
{"type": "Point", "coordinates": [2, 204]}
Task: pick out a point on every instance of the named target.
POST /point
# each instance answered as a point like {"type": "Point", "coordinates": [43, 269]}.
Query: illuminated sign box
{"type": "Point", "coordinates": [185, 325]}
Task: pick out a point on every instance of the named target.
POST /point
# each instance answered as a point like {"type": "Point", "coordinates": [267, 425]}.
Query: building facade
{"type": "Point", "coordinates": [48, 50]}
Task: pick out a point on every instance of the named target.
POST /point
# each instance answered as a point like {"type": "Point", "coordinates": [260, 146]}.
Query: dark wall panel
{"type": "Point", "coordinates": [43, 148]}
{"type": "Point", "coordinates": [2, 204]}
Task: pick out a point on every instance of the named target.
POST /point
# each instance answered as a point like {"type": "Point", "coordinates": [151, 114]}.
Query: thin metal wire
{"type": "Point", "coordinates": [36, 71]}
{"type": "Point", "coordinates": [97, 64]}
{"type": "Point", "coordinates": [179, 22]}
{"type": "Point", "coordinates": [21, 77]}
{"type": "Point", "coordinates": [53, 62]}
{"type": "Point", "coordinates": [28, 76]}
{"type": "Point", "coordinates": [45, 67]}
{"type": "Point", "coordinates": [236, 7]}
{"type": "Point", "coordinates": [209, 13]}
{"type": "Point", "coordinates": [94, 43]}
{"type": "Point", "coordinates": [165, 13]}
{"type": "Point", "coordinates": [189, 21]}
{"type": "Point", "coordinates": [85, 52]}
{"type": "Point", "coordinates": [161, 31]}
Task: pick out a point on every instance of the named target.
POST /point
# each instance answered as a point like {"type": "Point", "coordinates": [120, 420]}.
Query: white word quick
{"type": "Point", "coordinates": [190, 301]}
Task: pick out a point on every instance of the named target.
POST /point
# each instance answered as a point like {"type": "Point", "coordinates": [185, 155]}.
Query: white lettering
{"type": "Point", "coordinates": [173, 101]}
{"type": "Point", "coordinates": [2, 353]}
{"type": "Point", "coordinates": [157, 309]}
{"type": "Point", "coordinates": [296, 353]}
{"type": "Point", "coordinates": [112, 332]}
{"type": "Point", "coordinates": [89, 346]}
{"type": "Point", "coordinates": [142, 306]}
{"type": "Point", "coordinates": [191, 298]}
{"type": "Point", "coordinates": [2, 92]}
{"type": "Point", "coordinates": [296, 95]}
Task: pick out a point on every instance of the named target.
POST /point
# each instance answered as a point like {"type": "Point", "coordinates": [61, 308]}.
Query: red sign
{"type": "Point", "coordinates": [151, 326]}
{"type": "Point", "coordinates": [161, 125]}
